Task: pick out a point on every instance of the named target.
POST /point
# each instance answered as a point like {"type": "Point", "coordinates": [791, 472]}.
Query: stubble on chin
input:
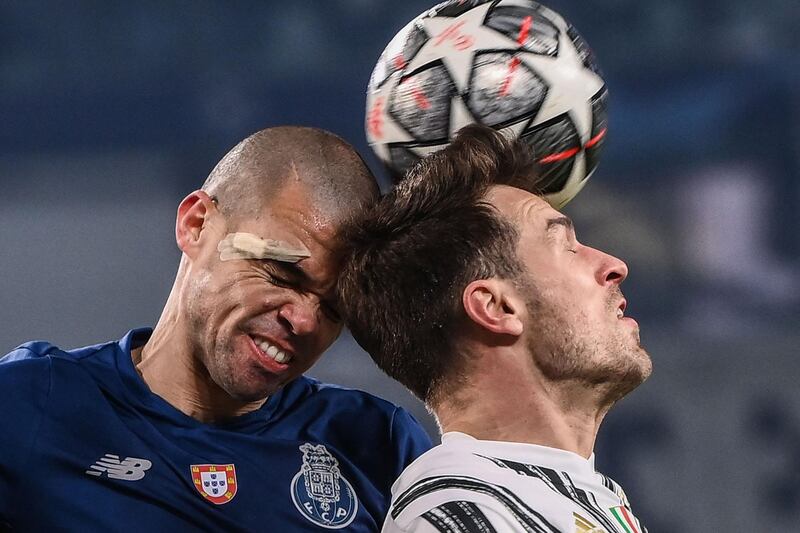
{"type": "Point", "coordinates": [616, 364]}
{"type": "Point", "coordinates": [232, 372]}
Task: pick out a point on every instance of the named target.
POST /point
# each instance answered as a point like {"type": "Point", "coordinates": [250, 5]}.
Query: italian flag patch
{"type": "Point", "coordinates": [626, 519]}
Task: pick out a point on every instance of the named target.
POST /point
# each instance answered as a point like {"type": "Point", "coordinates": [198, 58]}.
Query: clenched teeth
{"type": "Point", "coordinates": [273, 352]}
{"type": "Point", "coordinates": [619, 313]}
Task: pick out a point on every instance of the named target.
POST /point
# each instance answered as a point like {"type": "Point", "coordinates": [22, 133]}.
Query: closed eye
{"type": "Point", "coordinates": [279, 282]}
{"type": "Point", "coordinates": [290, 282]}
{"type": "Point", "coordinates": [269, 269]}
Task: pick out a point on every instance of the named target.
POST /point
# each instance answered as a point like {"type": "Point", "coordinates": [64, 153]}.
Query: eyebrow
{"type": "Point", "coordinates": [564, 221]}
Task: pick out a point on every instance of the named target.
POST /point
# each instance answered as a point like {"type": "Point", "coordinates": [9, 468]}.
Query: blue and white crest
{"type": "Point", "coordinates": [320, 492]}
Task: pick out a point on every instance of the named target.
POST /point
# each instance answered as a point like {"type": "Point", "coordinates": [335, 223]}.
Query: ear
{"type": "Point", "coordinates": [494, 305]}
{"type": "Point", "coordinates": [193, 215]}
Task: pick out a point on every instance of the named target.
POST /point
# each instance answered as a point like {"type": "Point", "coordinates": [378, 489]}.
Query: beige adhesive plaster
{"type": "Point", "coordinates": [248, 246]}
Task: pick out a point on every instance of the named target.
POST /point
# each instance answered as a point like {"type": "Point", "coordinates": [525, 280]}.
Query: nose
{"type": "Point", "coordinates": [611, 270]}
{"type": "Point", "coordinates": [300, 315]}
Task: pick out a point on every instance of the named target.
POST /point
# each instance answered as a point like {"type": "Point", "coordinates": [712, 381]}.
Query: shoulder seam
{"type": "Point", "coordinates": [50, 351]}
{"type": "Point", "coordinates": [25, 348]}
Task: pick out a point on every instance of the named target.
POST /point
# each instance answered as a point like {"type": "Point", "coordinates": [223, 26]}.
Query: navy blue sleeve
{"type": "Point", "coordinates": [409, 437]}
{"type": "Point", "coordinates": [25, 386]}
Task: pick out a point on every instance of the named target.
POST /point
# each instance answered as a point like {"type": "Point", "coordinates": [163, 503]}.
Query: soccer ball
{"type": "Point", "coordinates": [514, 65]}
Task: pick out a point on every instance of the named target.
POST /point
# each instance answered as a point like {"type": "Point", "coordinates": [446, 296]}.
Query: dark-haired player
{"type": "Point", "coordinates": [476, 294]}
{"type": "Point", "coordinates": [205, 423]}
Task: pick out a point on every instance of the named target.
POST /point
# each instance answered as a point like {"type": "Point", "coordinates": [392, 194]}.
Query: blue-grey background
{"type": "Point", "coordinates": [110, 112]}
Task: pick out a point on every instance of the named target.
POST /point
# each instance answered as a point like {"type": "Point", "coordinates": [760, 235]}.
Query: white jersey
{"type": "Point", "coordinates": [466, 485]}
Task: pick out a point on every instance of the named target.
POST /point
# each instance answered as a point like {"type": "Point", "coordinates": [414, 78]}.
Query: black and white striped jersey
{"type": "Point", "coordinates": [466, 485]}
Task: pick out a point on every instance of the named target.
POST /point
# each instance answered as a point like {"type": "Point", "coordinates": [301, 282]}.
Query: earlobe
{"type": "Point", "coordinates": [193, 213]}
{"type": "Point", "coordinates": [491, 305]}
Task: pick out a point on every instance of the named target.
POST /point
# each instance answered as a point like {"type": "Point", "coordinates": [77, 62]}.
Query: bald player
{"type": "Point", "coordinates": [206, 422]}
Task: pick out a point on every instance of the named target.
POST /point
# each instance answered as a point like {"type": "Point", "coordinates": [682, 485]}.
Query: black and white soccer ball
{"type": "Point", "coordinates": [514, 65]}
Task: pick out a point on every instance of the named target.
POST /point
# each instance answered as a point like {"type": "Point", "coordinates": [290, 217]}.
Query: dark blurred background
{"type": "Point", "coordinates": [111, 112]}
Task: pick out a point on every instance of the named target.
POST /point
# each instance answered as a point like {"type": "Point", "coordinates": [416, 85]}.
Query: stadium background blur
{"type": "Point", "coordinates": [110, 112]}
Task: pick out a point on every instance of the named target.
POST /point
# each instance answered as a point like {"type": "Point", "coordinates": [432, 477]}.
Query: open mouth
{"type": "Point", "coordinates": [271, 351]}
{"type": "Point", "coordinates": [621, 309]}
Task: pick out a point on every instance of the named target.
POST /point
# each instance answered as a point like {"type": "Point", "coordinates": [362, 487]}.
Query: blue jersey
{"type": "Point", "coordinates": [85, 446]}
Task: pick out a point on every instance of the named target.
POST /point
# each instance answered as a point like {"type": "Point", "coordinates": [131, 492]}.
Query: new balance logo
{"type": "Point", "coordinates": [129, 469]}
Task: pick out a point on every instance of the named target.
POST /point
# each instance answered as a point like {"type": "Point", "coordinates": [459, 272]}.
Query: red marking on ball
{"type": "Point", "coordinates": [561, 156]}
{"type": "Point", "coordinates": [420, 98]}
{"type": "Point", "coordinates": [524, 30]}
{"type": "Point", "coordinates": [597, 138]}
{"type": "Point", "coordinates": [375, 119]}
{"type": "Point", "coordinates": [515, 61]}
{"type": "Point", "coordinates": [453, 33]}
{"type": "Point", "coordinates": [566, 154]}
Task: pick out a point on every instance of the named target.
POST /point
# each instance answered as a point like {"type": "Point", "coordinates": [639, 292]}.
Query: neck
{"type": "Point", "coordinates": [173, 370]}
{"type": "Point", "coordinates": [564, 414]}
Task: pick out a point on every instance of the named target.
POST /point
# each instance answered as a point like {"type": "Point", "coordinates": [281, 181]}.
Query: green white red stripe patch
{"type": "Point", "coordinates": [626, 519]}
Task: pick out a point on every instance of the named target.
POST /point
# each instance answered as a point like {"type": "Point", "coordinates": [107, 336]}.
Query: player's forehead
{"type": "Point", "coordinates": [524, 209]}
{"type": "Point", "coordinates": [290, 219]}
{"type": "Point", "coordinates": [290, 211]}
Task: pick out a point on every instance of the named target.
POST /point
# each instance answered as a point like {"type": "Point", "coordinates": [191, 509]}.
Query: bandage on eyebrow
{"type": "Point", "coordinates": [249, 246]}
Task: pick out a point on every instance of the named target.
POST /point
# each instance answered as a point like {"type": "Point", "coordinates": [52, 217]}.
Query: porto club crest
{"type": "Point", "coordinates": [320, 492]}
{"type": "Point", "coordinates": [215, 483]}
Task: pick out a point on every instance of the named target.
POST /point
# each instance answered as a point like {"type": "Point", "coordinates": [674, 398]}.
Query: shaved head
{"type": "Point", "coordinates": [257, 168]}
{"type": "Point", "coordinates": [261, 257]}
